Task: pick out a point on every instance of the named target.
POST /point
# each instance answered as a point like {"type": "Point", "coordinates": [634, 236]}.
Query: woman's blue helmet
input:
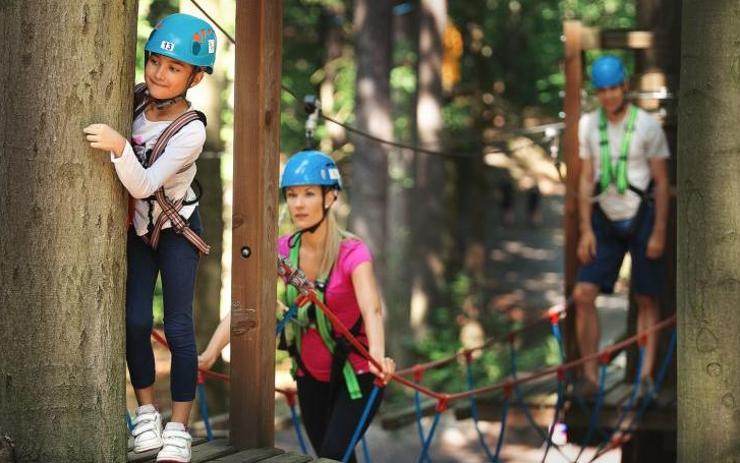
{"type": "Point", "coordinates": [607, 71]}
{"type": "Point", "coordinates": [185, 38]}
{"type": "Point", "coordinates": [311, 167]}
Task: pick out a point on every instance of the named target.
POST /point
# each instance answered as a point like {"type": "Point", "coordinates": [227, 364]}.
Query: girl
{"type": "Point", "coordinates": [334, 381]}
{"type": "Point", "coordinates": [157, 167]}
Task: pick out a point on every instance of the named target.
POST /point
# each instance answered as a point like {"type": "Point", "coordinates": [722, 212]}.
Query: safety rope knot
{"type": "Point", "coordinates": [468, 356]}
{"type": "Point", "coordinates": [379, 382]}
{"type": "Point", "coordinates": [561, 374]}
{"type": "Point", "coordinates": [605, 357]}
{"type": "Point", "coordinates": [442, 403]}
{"type": "Point", "coordinates": [642, 340]}
{"type": "Point", "coordinates": [201, 378]}
{"type": "Point", "coordinates": [554, 318]}
{"type": "Point", "coordinates": [508, 389]}
{"type": "Point", "coordinates": [418, 371]}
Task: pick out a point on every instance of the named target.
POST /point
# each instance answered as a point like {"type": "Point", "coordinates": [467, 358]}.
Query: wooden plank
{"type": "Point", "coordinates": [595, 38]}
{"type": "Point", "coordinates": [210, 450]}
{"type": "Point", "coordinates": [254, 255]}
{"type": "Point", "coordinates": [289, 457]}
{"type": "Point", "coordinates": [249, 456]}
{"type": "Point", "coordinates": [151, 455]}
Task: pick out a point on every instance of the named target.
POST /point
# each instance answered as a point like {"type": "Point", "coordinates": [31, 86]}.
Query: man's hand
{"type": "Point", "coordinates": [104, 138]}
{"type": "Point", "coordinates": [587, 247]}
{"type": "Point", "coordinates": [655, 245]}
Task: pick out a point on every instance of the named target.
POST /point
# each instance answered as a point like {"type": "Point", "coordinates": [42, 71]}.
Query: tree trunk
{"type": "Point", "coordinates": [334, 42]}
{"type": "Point", "coordinates": [429, 220]}
{"type": "Point", "coordinates": [373, 20]}
{"type": "Point", "coordinates": [708, 249]}
{"type": "Point", "coordinates": [207, 98]}
{"type": "Point", "coordinates": [62, 265]}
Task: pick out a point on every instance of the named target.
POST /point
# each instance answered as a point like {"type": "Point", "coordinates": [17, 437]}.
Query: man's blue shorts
{"type": "Point", "coordinates": [613, 240]}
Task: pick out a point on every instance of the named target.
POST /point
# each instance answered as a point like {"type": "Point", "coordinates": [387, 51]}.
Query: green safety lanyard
{"type": "Point", "coordinates": [608, 174]}
{"type": "Point", "coordinates": [322, 324]}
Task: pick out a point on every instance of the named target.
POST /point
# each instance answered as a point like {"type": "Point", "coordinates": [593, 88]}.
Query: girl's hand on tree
{"type": "Point", "coordinates": [104, 138]}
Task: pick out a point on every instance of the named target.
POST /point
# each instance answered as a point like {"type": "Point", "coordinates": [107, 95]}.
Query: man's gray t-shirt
{"type": "Point", "coordinates": [648, 142]}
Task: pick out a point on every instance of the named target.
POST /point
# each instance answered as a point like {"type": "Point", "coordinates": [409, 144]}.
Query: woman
{"type": "Point", "coordinates": [334, 381]}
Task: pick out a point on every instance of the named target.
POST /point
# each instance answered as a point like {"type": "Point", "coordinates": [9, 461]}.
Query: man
{"type": "Point", "coordinates": [623, 207]}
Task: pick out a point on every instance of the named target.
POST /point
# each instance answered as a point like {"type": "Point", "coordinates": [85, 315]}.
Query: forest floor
{"type": "Point", "coordinates": [524, 274]}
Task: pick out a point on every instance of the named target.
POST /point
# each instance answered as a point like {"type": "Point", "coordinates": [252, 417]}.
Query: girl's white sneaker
{"type": "Point", "coordinates": [177, 441]}
{"type": "Point", "coordinates": [147, 430]}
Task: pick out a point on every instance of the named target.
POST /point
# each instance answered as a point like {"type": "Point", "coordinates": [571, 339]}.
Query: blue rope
{"type": "Point", "coordinates": [626, 408]}
{"type": "Point", "coordinates": [204, 410]}
{"type": "Point", "coordinates": [504, 414]}
{"type": "Point", "coordinates": [646, 401]}
{"type": "Point", "coordinates": [289, 315]}
{"type": "Point", "coordinates": [297, 428]}
{"type": "Point", "coordinates": [596, 411]}
{"type": "Point", "coordinates": [419, 426]}
{"type": "Point", "coordinates": [474, 413]}
{"type": "Point", "coordinates": [129, 423]}
{"type": "Point", "coordinates": [365, 451]}
{"type": "Point", "coordinates": [556, 416]}
{"type": "Point", "coordinates": [361, 424]}
{"type": "Point", "coordinates": [523, 406]}
{"type": "Point", "coordinates": [428, 441]}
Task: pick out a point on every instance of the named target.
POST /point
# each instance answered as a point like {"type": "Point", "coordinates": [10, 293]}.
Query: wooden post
{"type": "Point", "coordinates": [573, 82]}
{"type": "Point", "coordinates": [254, 253]}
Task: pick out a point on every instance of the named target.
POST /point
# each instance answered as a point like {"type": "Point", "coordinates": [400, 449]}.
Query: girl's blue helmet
{"type": "Point", "coordinates": [311, 167]}
{"type": "Point", "coordinates": [184, 38]}
{"type": "Point", "coordinates": [607, 71]}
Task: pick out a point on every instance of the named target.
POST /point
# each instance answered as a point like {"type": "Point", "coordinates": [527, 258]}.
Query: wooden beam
{"type": "Point", "coordinates": [254, 252]}
{"type": "Point", "coordinates": [572, 107]}
{"type": "Point", "coordinates": [595, 38]}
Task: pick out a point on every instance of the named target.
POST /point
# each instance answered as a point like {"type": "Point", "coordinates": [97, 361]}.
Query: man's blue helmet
{"type": "Point", "coordinates": [185, 38]}
{"type": "Point", "coordinates": [311, 167]}
{"type": "Point", "coordinates": [607, 71]}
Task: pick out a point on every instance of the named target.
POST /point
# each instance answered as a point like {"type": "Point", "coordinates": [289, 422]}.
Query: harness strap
{"type": "Point", "coordinates": [170, 209]}
{"type": "Point", "coordinates": [337, 346]}
{"type": "Point", "coordinates": [608, 174]}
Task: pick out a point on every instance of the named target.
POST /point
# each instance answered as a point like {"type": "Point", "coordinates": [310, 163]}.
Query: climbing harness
{"type": "Point", "coordinates": [609, 173]}
{"type": "Point", "coordinates": [170, 209]}
{"type": "Point", "coordinates": [309, 317]}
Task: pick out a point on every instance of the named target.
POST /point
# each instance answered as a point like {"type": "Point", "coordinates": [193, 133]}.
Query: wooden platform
{"type": "Point", "coordinates": [220, 451]}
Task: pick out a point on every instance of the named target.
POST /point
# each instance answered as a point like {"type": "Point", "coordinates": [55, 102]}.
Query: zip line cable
{"type": "Point", "coordinates": [417, 149]}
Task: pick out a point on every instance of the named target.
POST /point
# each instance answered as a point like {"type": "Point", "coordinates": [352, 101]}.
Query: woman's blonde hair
{"type": "Point", "coordinates": [332, 243]}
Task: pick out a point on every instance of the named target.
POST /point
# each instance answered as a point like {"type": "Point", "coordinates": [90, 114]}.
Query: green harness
{"type": "Point", "coordinates": [610, 173]}
{"type": "Point", "coordinates": [294, 331]}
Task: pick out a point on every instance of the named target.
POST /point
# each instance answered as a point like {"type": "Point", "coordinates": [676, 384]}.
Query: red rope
{"type": "Point", "coordinates": [553, 313]}
{"type": "Point", "coordinates": [204, 373]}
{"type": "Point", "coordinates": [305, 287]}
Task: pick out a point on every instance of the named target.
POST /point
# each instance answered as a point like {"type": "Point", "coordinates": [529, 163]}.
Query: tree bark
{"type": "Point", "coordinates": [372, 20]}
{"type": "Point", "coordinates": [207, 97]}
{"type": "Point", "coordinates": [430, 181]}
{"type": "Point", "coordinates": [708, 248]}
{"type": "Point", "coordinates": [62, 265]}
